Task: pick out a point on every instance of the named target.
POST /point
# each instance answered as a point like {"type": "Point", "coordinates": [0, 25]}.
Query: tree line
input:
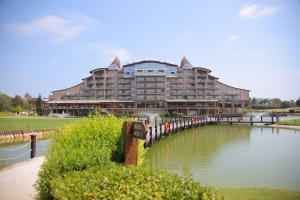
{"type": "Point", "coordinates": [266, 103]}
{"type": "Point", "coordinates": [18, 104]}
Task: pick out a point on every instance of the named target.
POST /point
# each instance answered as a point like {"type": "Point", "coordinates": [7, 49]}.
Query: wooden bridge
{"type": "Point", "coordinates": [167, 126]}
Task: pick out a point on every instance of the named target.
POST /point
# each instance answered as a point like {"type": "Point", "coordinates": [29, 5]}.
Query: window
{"type": "Point", "coordinates": [172, 72]}
{"type": "Point", "coordinates": [150, 70]}
{"type": "Point", "coordinates": [139, 70]}
{"type": "Point", "coordinates": [160, 70]}
{"type": "Point", "coordinates": [127, 73]}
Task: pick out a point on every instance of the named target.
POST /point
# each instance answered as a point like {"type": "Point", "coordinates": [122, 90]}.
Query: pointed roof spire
{"type": "Point", "coordinates": [184, 61]}
{"type": "Point", "coordinates": [115, 65]}
{"type": "Point", "coordinates": [185, 64]}
{"type": "Point", "coordinates": [117, 62]}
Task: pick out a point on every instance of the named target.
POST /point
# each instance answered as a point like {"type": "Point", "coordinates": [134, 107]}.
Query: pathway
{"type": "Point", "coordinates": [16, 181]}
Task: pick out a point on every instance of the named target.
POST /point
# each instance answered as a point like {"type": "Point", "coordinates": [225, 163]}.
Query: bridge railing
{"type": "Point", "coordinates": [167, 126]}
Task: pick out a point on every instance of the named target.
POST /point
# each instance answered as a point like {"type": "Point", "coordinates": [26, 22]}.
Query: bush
{"type": "Point", "coordinates": [82, 164]}
{"type": "Point", "coordinates": [121, 182]}
{"type": "Point", "coordinates": [83, 144]}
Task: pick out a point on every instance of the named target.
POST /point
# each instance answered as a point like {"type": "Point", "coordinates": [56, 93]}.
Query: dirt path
{"type": "Point", "coordinates": [16, 181]}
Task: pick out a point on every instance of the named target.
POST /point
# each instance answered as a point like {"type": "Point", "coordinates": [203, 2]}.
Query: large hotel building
{"type": "Point", "coordinates": [150, 86]}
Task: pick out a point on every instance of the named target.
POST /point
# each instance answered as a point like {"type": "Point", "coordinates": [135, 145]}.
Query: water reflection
{"type": "Point", "coordinates": [11, 153]}
{"type": "Point", "coordinates": [232, 156]}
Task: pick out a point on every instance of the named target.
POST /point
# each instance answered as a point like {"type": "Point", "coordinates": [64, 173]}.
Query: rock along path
{"type": "Point", "coordinates": [16, 181]}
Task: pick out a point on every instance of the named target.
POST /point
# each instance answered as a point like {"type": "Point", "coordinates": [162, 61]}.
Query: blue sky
{"type": "Point", "coordinates": [50, 45]}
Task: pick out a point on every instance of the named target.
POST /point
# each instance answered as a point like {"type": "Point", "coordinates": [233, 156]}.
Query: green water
{"type": "Point", "coordinates": [232, 156]}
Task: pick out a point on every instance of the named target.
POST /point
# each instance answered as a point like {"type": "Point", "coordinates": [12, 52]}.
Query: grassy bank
{"type": "Point", "coordinates": [258, 194]}
{"type": "Point", "coordinates": [283, 110]}
{"type": "Point", "coordinates": [24, 122]}
{"type": "Point", "coordinates": [293, 122]}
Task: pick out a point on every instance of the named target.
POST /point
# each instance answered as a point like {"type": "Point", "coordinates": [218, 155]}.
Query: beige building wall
{"type": "Point", "coordinates": [68, 92]}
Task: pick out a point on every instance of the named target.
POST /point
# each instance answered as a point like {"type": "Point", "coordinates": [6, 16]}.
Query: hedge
{"type": "Point", "coordinates": [83, 162]}
{"type": "Point", "coordinates": [121, 182]}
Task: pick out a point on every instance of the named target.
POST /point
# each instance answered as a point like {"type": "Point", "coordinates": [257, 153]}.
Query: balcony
{"type": "Point", "coordinates": [201, 80]}
{"type": "Point", "coordinates": [99, 75]}
{"type": "Point", "coordinates": [88, 94]}
{"type": "Point", "coordinates": [90, 82]}
{"type": "Point", "coordinates": [177, 86]}
{"type": "Point", "coordinates": [176, 80]}
{"type": "Point", "coordinates": [199, 76]}
{"type": "Point", "coordinates": [210, 81]}
{"type": "Point", "coordinates": [124, 81]}
{"type": "Point", "coordinates": [190, 80]}
{"type": "Point", "coordinates": [124, 87]}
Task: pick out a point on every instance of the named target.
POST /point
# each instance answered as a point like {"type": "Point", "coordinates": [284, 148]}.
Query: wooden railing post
{"type": "Point", "coordinates": [155, 130]}
{"type": "Point", "coordinates": [151, 136]}
{"type": "Point", "coordinates": [33, 145]}
{"type": "Point", "coordinates": [160, 131]}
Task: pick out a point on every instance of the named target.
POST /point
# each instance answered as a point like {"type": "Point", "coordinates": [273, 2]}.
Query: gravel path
{"type": "Point", "coordinates": [16, 181]}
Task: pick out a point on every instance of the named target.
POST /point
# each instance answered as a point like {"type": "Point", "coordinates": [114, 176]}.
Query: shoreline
{"type": "Point", "coordinates": [21, 177]}
{"type": "Point", "coordinates": [283, 126]}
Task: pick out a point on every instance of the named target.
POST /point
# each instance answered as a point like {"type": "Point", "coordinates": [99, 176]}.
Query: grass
{"type": "Point", "coordinates": [293, 122]}
{"type": "Point", "coordinates": [258, 194]}
{"type": "Point", "coordinates": [24, 122]}
{"type": "Point", "coordinates": [296, 109]}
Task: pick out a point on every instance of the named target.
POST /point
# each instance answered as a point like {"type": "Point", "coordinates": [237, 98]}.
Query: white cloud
{"type": "Point", "coordinates": [232, 38]}
{"type": "Point", "coordinates": [104, 52]}
{"type": "Point", "coordinates": [57, 28]}
{"type": "Point", "coordinates": [251, 10]}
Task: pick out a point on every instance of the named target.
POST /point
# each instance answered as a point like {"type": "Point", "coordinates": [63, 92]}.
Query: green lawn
{"type": "Point", "coordinates": [293, 122]}
{"type": "Point", "coordinates": [258, 194]}
{"type": "Point", "coordinates": [296, 109]}
{"type": "Point", "coordinates": [17, 123]}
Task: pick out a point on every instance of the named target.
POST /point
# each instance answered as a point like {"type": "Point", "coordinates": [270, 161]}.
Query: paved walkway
{"type": "Point", "coordinates": [16, 181]}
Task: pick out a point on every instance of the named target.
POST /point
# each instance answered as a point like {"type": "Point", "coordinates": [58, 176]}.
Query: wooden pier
{"type": "Point", "coordinates": [167, 126]}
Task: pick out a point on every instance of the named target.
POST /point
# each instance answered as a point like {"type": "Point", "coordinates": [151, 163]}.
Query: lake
{"type": "Point", "coordinates": [232, 156]}
{"type": "Point", "coordinates": [11, 153]}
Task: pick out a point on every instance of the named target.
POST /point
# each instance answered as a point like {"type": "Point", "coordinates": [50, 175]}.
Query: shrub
{"type": "Point", "coordinates": [121, 182]}
{"type": "Point", "coordinates": [82, 164]}
{"type": "Point", "coordinates": [83, 144]}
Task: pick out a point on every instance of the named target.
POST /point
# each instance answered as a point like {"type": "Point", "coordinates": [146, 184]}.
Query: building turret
{"type": "Point", "coordinates": [185, 64]}
{"type": "Point", "coordinates": [115, 65]}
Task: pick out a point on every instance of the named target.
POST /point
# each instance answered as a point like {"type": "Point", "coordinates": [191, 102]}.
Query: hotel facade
{"type": "Point", "coordinates": [150, 86]}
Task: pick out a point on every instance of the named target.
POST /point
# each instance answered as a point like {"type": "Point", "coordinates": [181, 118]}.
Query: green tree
{"type": "Point", "coordinates": [5, 103]}
{"type": "Point", "coordinates": [285, 104]}
{"type": "Point", "coordinates": [39, 105]}
{"type": "Point", "coordinates": [298, 102]}
{"type": "Point", "coordinates": [17, 101]}
{"type": "Point", "coordinates": [253, 101]}
{"type": "Point", "coordinates": [27, 99]}
{"type": "Point", "coordinates": [18, 109]}
{"type": "Point", "coordinates": [276, 101]}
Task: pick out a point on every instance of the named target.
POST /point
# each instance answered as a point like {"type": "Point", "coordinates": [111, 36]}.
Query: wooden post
{"type": "Point", "coordinates": [261, 119]}
{"type": "Point", "coordinates": [131, 144]}
{"type": "Point", "coordinates": [155, 130]}
{"type": "Point", "coordinates": [173, 130]}
{"type": "Point", "coordinates": [160, 130]}
{"type": "Point", "coordinates": [33, 145]}
{"type": "Point", "coordinates": [151, 136]}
